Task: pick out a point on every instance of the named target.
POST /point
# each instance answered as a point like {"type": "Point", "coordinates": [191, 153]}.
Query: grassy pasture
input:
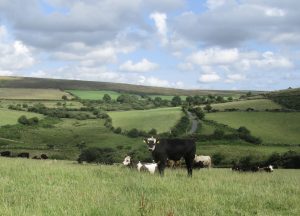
{"type": "Point", "coordinates": [160, 119]}
{"type": "Point", "coordinates": [258, 104]}
{"type": "Point", "coordinates": [32, 94]}
{"type": "Point", "coordinates": [94, 95]}
{"type": "Point", "coordinates": [271, 127]}
{"type": "Point", "coordinates": [29, 187]}
{"type": "Point", "coordinates": [10, 117]}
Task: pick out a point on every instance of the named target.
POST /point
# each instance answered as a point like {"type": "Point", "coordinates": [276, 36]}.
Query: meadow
{"type": "Point", "coordinates": [271, 127]}
{"type": "Point", "coordinates": [10, 117]}
{"type": "Point", "coordinates": [30, 187]}
{"type": "Point", "coordinates": [94, 95]}
{"type": "Point", "coordinates": [32, 94]}
{"type": "Point", "coordinates": [161, 119]}
{"type": "Point", "coordinates": [258, 104]}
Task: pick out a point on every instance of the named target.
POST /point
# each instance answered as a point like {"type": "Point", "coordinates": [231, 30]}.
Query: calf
{"type": "Point", "coordinates": [128, 162]}
{"type": "Point", "coordinates": [172, 149]}
{"type": "Point", "coordinates": [267, 169]}
{"type": "Point", "coordinates": [150, 167]}
{"type": "Point", "coordinates": [202, 161]}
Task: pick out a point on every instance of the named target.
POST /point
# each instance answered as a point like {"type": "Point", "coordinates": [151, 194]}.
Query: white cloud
{"type": "Point", "coordinates": [274, 12]}
{"type": "Point", "coordinates": [143, 66]}
{"type": "Point", "coordinates": [214, 56]}
{"type": "Point", "coordinates": [161, 25]}
{"type": "Point", "coordinates": [14, 55]}
{"type": "Point", "coordinates": [231, 78]}
{"type": "Point", "coordinates": [208, 78]}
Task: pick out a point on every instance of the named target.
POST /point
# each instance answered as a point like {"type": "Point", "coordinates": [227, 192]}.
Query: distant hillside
{"type": "Point", "coordinates": [28, 82]}
{"type": "Point", "coordinates": [289, 98]}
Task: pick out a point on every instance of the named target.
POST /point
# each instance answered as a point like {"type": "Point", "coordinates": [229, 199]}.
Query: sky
{"type": "Point", "coordinates": [212, 44]}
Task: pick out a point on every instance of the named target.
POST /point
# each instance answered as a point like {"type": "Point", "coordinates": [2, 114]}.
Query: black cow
{"type": "Point", "coordinates": [172, 149]}
{"type": "Point", "coordinates": [44, 156]}
{"type": "Point", "coordinates": [5, 154]}
{"type": "Point", "coordinates": [24, 155]}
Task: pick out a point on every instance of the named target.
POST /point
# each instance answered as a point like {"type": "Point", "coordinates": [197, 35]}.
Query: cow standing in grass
{"type": "Point", "coordinates": [172, 149]}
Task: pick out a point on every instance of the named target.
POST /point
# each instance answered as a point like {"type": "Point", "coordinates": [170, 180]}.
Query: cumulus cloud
{"type": "Point", "coordinates": [143, 66]}
{"type": "Point", "coordinates": [14, 55]}
{"type": "Point", "coordinates": [161, 25]}
{"type": "Point", "coordinates": [214, 56]}
{"type": "Point", "coordinates": [208, 78]}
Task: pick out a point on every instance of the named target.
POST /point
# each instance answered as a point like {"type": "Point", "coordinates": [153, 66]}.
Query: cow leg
{"type": "Point", "coordinates": [161, 167]}
{"type": "Point", "coordinates": [189, 165]}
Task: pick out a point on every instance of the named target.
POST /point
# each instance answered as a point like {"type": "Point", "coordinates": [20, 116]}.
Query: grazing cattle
{"type": "Point", "coordinates": [267, 169]}
{"type": "Point", "coordinates": [150, 167]}
{"type": "Point", "coordinates": [44, 156]}
{"type": "Point", "coordinates": [23, 155]}
{"type": "Point", "coordinates": [172, 149]}
{"type": "Point", "coordinates": [36, 157]}
{"type": "Point", "coordinates": [202, 161]}
{"type": "Point", "coordinates": [5, 154]}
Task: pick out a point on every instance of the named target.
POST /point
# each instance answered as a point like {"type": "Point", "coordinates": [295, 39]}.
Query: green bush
{"type": "Point", "coordinates": [133, 133]}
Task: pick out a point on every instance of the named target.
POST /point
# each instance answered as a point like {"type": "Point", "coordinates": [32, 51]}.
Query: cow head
{"type": "Point", "coordinates": [127, 161]}
{"type": "Point", "coordinates": [151, 142]}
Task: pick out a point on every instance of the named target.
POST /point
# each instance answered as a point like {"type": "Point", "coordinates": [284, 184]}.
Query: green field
{"type": "Point", "coordinates": [271, 127]}
{"type": "Point", "coordinates": [94, 95]}
{"type": "Point", "coordinates": [66, 134]}
{"type": "Point", "coordinates": [32, 94]}
{"type": "Point", "coordinates": [10, 117]}
{"type": "Point", "coordinates": [259, 104]}
{"type": "Point", "coordinates": [160, 119]}
{"type": "Point", "coordinates": [29, 187]}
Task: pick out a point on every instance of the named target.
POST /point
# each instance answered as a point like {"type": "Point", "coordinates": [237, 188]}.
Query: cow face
{"type": "Point", "coordinates": [127, 161]}
{"type": "Point", "coordinates": [151, 142]}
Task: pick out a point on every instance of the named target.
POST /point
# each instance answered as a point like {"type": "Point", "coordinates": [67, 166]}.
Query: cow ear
{"type": "Point", "coordinates": [157, 142]}
{"type": "Point", "coordinates": [145, 141]}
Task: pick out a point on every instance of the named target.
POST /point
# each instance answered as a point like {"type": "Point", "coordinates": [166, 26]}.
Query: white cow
{"type": "Point", "coordinates": [202, 161]}
{"type": "Point", "coordinates": [150, 167]}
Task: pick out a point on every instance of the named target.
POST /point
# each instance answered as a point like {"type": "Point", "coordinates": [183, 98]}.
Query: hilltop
{"type": "Point", "coordinates": [46, 83]}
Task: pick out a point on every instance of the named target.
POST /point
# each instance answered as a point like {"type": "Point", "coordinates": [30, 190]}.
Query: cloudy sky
{"type": "Point", "coordinates": [213, 44]}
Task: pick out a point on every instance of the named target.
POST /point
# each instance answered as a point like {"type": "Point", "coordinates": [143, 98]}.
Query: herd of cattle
{"type": "Point", "coordinates": [168, 153]}
{"type": "Point", "coordinates": [22, 155]}
{"type": "Point", "coordinates": [165, 153]}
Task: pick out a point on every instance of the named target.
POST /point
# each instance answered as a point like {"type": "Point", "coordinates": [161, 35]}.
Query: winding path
{"type": "Point", "coordinates": [194, 122]}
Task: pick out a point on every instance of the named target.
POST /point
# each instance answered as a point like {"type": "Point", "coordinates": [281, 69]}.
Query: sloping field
{"type": "Point", "coordinates": [160, 119]}
{"type": "Point", "coordinates": [259, 104]}
{"type": "Point", "coordinates": [271, 127]}
{"type": "Point", "coordinates": [94, 95]}
{"type": "Point", "coordinates": [11, 116]}
{"type": "Point", "coordinates": [32, 94]}
{"type": "Point", "coordinates": [30, 187]}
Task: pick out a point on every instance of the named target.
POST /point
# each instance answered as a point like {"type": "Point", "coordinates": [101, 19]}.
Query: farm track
{"type": "Point", "coordinates": [194, 123]}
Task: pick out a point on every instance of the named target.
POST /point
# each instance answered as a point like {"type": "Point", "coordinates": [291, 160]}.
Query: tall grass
{"type": "Point", "coordinates": [30, 187]}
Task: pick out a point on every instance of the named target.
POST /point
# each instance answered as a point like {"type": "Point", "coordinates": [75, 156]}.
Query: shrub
{"type": "Point", "coordinates": [97, 155]}
{"type": "Point", "coordinates": [118, 130]}
{"type": "Point", "coordinates": [218, 158]}
{"type": "Point", "coordinates": [152, 132]}
{"type": "Point", "coordinates": [23, 120]}
{"type": "Point", "coordinates": [218, 134]}
{"type": "Point", "coordinates": [133, 133]}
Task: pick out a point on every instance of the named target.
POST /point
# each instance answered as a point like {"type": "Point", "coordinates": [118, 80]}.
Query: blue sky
{"type": "Point", "coordinates": [213, 44]}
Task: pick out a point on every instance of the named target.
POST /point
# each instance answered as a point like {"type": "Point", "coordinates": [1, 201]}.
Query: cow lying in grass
{"type": "Point", "coordinates": [150, 167]}
{"type": "Point", "coordinates": [202, 161]}
{"type": "Point", "coordinates": [252, 168]}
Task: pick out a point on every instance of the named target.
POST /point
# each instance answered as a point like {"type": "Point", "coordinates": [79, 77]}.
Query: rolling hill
{"type": "Point", "coordinates": [43, 83]}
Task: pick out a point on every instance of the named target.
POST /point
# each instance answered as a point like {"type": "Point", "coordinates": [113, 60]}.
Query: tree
{"type": "Point", "coordinates": [199, 113]}
{"type": "Point", "coordinates": [106, 98]}
{"type": "Point", "coordinates": [208, 107]}
{"type": "Point", "coordinates": [176, 101]}
{"type": "Point", "coordinates": [64, 97]}
{"type": "Point", "coordinates": [230, 98]}
{"type": "Point", "coordinates": [157, 101]}
{"type": "Point", "coordinates": [249, 94]}
{"type": "Point", "coordinates": [23, 120]}
{"type": "Point", "coordinates": [189, 100]}
{"type": "Point", "coordinates": [152, 132]}
{"type": "Point", "coordinates": [220, 99]}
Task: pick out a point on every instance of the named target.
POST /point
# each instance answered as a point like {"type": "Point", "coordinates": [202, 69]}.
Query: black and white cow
{"type": "Point", "coordinates": [172, 149]}
{"type": "Point", "coordinates": [150, 167]}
